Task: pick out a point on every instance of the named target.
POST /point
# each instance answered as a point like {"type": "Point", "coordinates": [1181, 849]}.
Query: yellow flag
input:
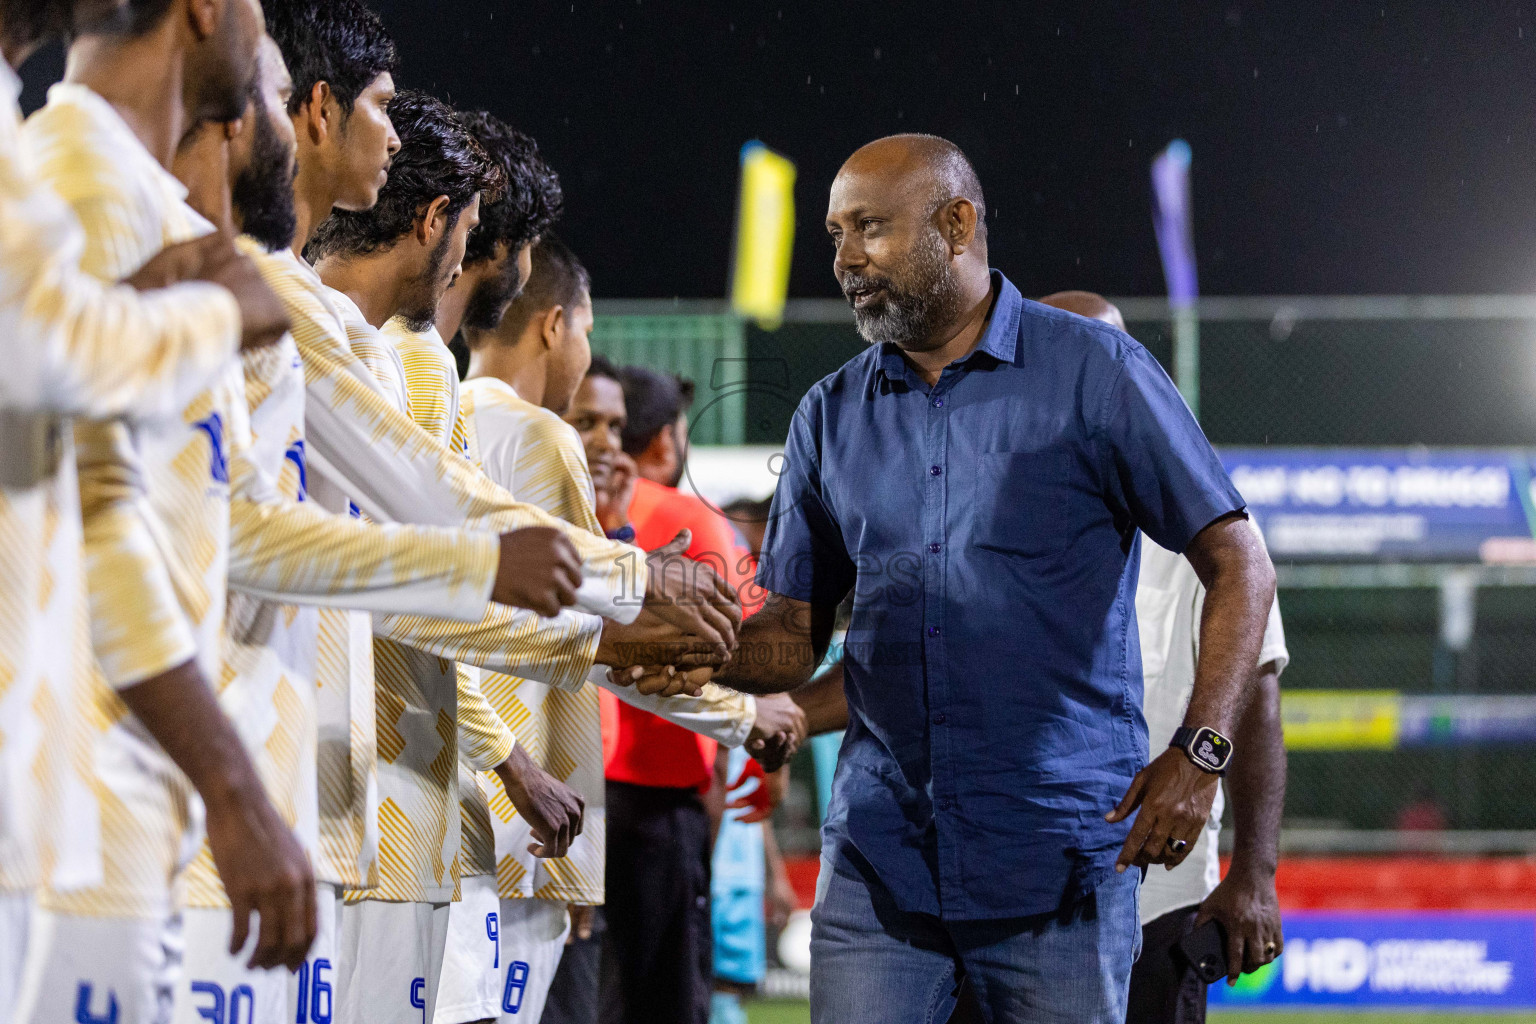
{"type": "Point", "coordinates": [765, 235]}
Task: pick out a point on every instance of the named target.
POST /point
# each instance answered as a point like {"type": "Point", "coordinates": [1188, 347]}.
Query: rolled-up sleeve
{"type": "Point", "coordinates": [1161, 469]}
{"type": "Point", "coordinates": [804, 556]}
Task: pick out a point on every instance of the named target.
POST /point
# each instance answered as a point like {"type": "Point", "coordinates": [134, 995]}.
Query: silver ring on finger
{"type": "Point", "coordinates": [1177, 846]}
{"type": "Point", "coordinates": [1269, 950]}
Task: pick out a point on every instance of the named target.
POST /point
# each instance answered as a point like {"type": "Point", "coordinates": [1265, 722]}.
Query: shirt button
{"type": "Point", "coordinates": [933, 630]}
{"type": "Point", "coordinates": [938, 719]}
{"type": "Point", "coordinates": [934, 470]}
{"type": "Point", "coordinates": [938, 403]}
{"type": "Point", "coordinates": [934, 548]}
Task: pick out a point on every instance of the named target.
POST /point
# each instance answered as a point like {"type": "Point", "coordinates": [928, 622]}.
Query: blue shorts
{"type": "Point", "coordinates": [736, 916]}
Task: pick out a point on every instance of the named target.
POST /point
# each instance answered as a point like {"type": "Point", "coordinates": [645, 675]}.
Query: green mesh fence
{"type": "Point", "coordinates": [1274, 377]}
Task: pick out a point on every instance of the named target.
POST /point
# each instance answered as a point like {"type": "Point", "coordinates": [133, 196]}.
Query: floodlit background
{"type": "Point", "coordinates": [1363, 177]}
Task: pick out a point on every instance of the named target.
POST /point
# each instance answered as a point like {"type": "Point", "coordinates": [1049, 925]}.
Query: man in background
{"type": "Point", "coordinates": [1169, 599]}
{"type": "Point", "coordinates": [657, 960]}
{"type": "Point", "coordinates": [523, 374]}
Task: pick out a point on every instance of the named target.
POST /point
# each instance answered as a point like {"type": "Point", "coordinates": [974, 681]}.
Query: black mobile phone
{"type": "Point", "coordinates": [1206, 950]}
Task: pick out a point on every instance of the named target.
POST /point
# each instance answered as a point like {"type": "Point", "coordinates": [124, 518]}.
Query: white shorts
{"type": "Point", "coordinates": [97, 969]}
{"type": "Point", "coordinates": [389, 956]}
{"type": "Point", "coordinates": [15, 909]}
{"type": "Point", "coordinates": [215, 985]}
{"type": "Point", "coordinates": [533, 934]}
{"type": "Point", "coordinates": [470, 987]}
{"type": "Point", "coordinates": [312, 988]}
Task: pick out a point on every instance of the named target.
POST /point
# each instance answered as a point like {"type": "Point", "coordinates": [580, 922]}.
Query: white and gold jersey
{"type": "Point", "coordinates": [539, 458]}
{"type": "Point", "coordinates": [155, 507]}
{"type": "Point", "coordinates": [72, 345]}
{"type": "Point", "coordinates": [285, 548]}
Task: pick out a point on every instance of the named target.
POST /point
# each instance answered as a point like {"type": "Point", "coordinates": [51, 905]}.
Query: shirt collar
{"type": "Point", "coordinates": [1000, 341]}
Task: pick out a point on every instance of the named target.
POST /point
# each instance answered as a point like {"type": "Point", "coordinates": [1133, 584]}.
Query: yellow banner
{"type": "Point", "coordinates": [1341, 719]}
{"type": "Point", "coordinates": [765, 235]}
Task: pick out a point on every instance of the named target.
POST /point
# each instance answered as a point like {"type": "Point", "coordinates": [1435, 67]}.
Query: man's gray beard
{"type": "Point", "coordinates": [929, 298]}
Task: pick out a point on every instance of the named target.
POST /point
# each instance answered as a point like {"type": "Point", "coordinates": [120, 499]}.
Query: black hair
{"type": "Point", "coordinates": [438, 157]}
{"type": "Point", "coordinates": [338, 42]}
{"type": "Point", "coordinates": [602, 367]}
{"type": "Point", "coordinates": [532, 201]}
{"type": "Point", "coordinates": [654, 402]}
{"type": "Point", "coordinates": [557, 279]}
{"type": "Point", "coordinates": [36, 21]}
{"type": "Point", "coordinates": [262, 193]}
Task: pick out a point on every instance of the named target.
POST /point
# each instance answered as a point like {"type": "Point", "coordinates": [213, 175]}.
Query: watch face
{"type": "Point", "coordinates": [1211, 748]}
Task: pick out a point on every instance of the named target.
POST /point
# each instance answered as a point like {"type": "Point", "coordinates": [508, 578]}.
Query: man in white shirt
{"type": "Point", "coordinates": [1169, 597]}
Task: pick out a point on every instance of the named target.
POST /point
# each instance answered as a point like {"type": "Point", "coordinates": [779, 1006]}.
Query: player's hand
{"type": "Point", "coordinates": [778, 732]}
{"type": "Point", "coordinates": [263, 320]}
{"type": "Point", "coordinates": [264, 870]}
{"type": "Point", "coordinates": [670, 681]}
{"type": "Point", "coordinates": [1248, 908]}
{"type": "Point", "coordinates": [553, 810]}
{"type": "Point", "coordinates": [651, 640]}
{"type": "Point", "coordinates": [182, 261]}
{"type": "Point", "coordinates": [691, 596]}
{"type": "Point", "coordinates": [1175, 799]}
{"type": "Point", "coordinates": [539, 570]}
{"type": "Point", "coordinates": [616, 493]}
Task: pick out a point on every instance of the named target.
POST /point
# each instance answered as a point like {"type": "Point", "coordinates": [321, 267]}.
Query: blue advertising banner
{"type": "Point", "coordinates": [1423, 958]}
{"type": "Point", "coordinates": [1390, 503]}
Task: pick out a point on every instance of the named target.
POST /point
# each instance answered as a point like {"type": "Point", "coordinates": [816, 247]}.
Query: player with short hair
{"type": "Point", "coordinates": [74, 345]}
{"type": "Point", "coordinates": [522, 377]}
{"type": "Point", "coordinates": [286, 549]}
{"type": "Point", "coordinates": [155, 500]}
{"type": "Point", "coordinates": [407, 275]}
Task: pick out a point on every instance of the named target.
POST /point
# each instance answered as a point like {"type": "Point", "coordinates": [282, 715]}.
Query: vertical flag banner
{"type": "Point", "coordinates": [765, 235]}
{"type": "Point", "coordinates": [1173, 221]}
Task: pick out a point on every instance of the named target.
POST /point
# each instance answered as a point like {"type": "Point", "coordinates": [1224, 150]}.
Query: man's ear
{"type": "Point", "coordinates": [958, 222]}
{"type": "Point", "coordinates": [203, 16]}
{"type": "Point", "coordinates": [432, 221]}
{"type": "Point", "coordinates": [554, 323]}
{"type": "Point", "coordinates": [319, 114]}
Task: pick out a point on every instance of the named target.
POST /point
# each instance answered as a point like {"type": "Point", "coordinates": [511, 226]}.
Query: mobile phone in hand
{"type": "Point", "coordinates": [1206, 950]}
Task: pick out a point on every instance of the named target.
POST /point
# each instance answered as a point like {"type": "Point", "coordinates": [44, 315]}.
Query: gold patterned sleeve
{"type": "Point", "coordinates": [485, 741]}
{"type": "Point", "coordinates": [76, 345]}
{"type": "Point", "coordinates": [138, 629]}
{"type": "Point", "coordinates": [297, 552]}
{"type": "Point", "coordinates": [396, 472]}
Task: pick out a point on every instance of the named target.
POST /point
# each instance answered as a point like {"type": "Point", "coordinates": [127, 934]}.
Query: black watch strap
{"type": "Point", "coordinates": [1206, 748]}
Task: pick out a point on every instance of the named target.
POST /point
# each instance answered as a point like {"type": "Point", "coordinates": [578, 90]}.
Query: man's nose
{"type": "Point", "coordinates": [850, 256]}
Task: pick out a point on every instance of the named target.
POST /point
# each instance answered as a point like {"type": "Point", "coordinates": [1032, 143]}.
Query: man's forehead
{"type": "Point", "coordinates": [863, 186]}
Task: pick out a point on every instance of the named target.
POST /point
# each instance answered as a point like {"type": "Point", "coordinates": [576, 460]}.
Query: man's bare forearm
{"type": "Point", "coordinates": [1231, 562]}
{"type": "Point", "coordinates": [1256, 782]}
{"type": "Point", "coordinates": [779, 647]}
{"type": "Point", "coordinates": [824, 702]}
{"type": "Point", "coordinates": [180, 711]}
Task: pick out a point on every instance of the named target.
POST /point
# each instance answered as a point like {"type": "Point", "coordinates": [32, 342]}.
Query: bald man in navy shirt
{"type": "Point", "coordinates": [977, 479]}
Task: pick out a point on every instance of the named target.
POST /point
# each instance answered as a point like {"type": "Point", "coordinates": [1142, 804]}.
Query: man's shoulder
{"type": "Point", "coordinates": [493, 402]}
{"type": "Point", "coordinates": [1049, 328]}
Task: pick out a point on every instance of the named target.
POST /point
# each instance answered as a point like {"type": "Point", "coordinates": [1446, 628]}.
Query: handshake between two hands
{"type": "Point", "coordinates": [685, 634]}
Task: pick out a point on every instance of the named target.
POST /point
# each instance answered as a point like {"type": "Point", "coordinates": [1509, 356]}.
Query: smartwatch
{"type": "Point", "coordinates": [1206, 749]}
{"type": "Point", "coordinates": [624, 534]}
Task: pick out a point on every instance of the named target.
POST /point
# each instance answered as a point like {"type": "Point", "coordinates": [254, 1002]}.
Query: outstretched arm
{"type": "Point", "coordinates": [780, 646]}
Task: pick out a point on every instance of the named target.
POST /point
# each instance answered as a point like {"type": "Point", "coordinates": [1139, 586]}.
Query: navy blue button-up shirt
{"type": "Point", "coordinates": [987, 527]}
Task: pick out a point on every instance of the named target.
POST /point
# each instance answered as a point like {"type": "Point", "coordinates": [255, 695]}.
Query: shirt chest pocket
{"type": "Point", "coordinates": [1024, 502]}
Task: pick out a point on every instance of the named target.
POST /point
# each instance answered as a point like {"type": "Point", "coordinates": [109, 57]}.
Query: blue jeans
{"type": "Point", "coordinates": [874, 964]}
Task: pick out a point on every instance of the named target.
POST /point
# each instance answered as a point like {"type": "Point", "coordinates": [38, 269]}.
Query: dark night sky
{"type": "Point", "coordinates": [1375, 147]}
